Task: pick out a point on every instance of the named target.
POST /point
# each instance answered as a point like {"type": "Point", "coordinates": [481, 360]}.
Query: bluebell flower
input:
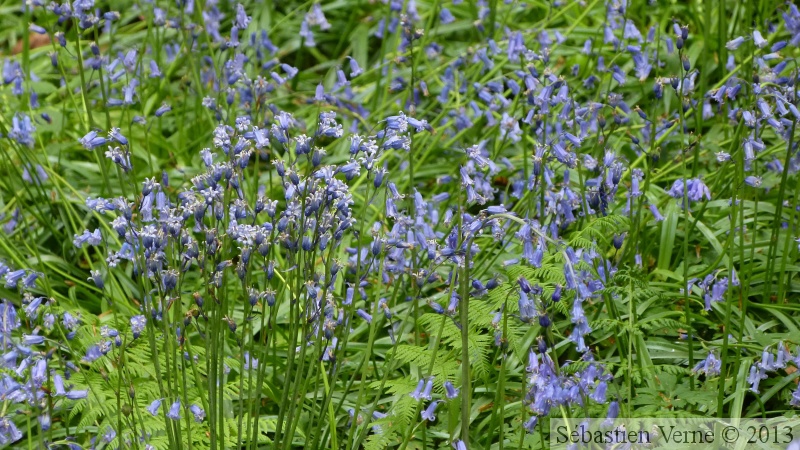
{"type": "Point", "coordinates": [453, 305]}
{"type": "Point", "coordinates": [509, 126]}
{"type": "Point", "coordinates": [120, 158]}
{"type": "Point", "coordinates": [450, 391]}
{"type": "Point", "coordinates": [544, 320]}
{"type": "Point", "coordinates": [77, 394]}
{"type": "Point", "coordinates": [767, 360]}
{"type": "Point", "coordinates": [58, 386]}
{"type": "Point", "coordinates": [437, 308]}
{"type": "Point", "coordinates": [49, 321]}
{"type": "Point", "coordinates": [618, 240]}
{"type": "Point", "coordinates": [91, 140]}
{"type": "Point", "coordinates": [11, 71]}
{"type": "Point", "coordinates": [710, 366]}
{"type": "Point", "coordinates": [155, 71]}
{"type": "Point", "coordinates": [759, 40]}
{"type": "Point", "coordinates": [556, 293]}
{"type": "Point", "coordinates": [130, 59]}
{"type": "Point", "coordinates": [696, 190]}
{"type": "Point", "coordinates": [306, 34]}
{"type": "Point", "coordinates": [175, 410]}
{"type": "Point", "coordinates": [446, 16]}
{"type": "Point", "coordinates": [155, 405]}
{"type": "Point", "coordinates": [524, 284]}
{"type": "Point", "coordinates": [417, 394]}
{"type": "Point", "coordinates": [60, 38]}
{"type": "Point", "coordinates": [734, 43]}
{"type": "Point", "coordinates": [9, 433]}
{"type": "Point", "coordinates": [426, 394]}
{"type": "Point", "coordinates": [429, 413]}
{"type": "Point", "coordinates": [22, 130]}
{"type": "Point", "coordinates": [116, 135]}
{"type": "Point", "coordinates": [752, 181]}
{"type": "Point", "coordinates": [32, 308]}
{"type": "Point", "coordinates": [32, 339]}
{"type": "Point", "coordinates": [317, 18]}
{"type": "Point", "coordinates": [198, 413]}
{"type": "Point", "coordinates": [328, 125]}
{"type": "Point", "coordinates": [419, 125]}
{"type": "Point", "coordinates": [242, 20]}
{"type": "Point", "coordinates": [656, 213]}
{"type": "Point", "coordinates": [93, 353]}
{"type": "Point", "coordinates": [350, 170]}
{"type": "Point", "coordinates": [29, 281]}
{"type": "Point", "coordinates": [129, 91]}
{"type": "Point", "coordinates": [319, 93]}
{"type": "Point", "coordinates": [757, 373]}
{"type": "Point", "coordinates": [795, 401]}
{"type": "Point", "coordinates": [510, 262]}
{"type": "Point", "coordinates": [163, 109]}
{"type": "Point", "coordinates": [88, 237]}
{"type": "Point", "coordinates": [109, 435]}
{"type": "Point", "coordinates": [44, 420]}
{"type": "Point", "coordinates": [599, 394]}
{"type": "Point", "coordinates": [355, 70]}
{"type": "Point", "coordinates": [364, 315]}
{"type": "Point", "coordinates": [39, 372]}
{"type": "Point", "coordinates": [611, 414]}
{"type": "Point", "coordinates": [527, 308]}
{"type": "Point", "coordinates": [37, 29]}
{"type": "Point", "coordinates": [618, 75]}
{"type": "Point", "coordinates": [384, 306]}
{"type": "Point", "coordinates": [100, 205]}
{"type": "Point", "coordinates": [169, 279]}
{"type": "Point", "coordinates": [277, 78]}
{"type": "Point", "coordinates": [782, 356]}
{"type": "Point", "coordinates": [38, 178]}
{"type": "Point", "coordinates": [69, 321]}
{"type": "Point", "coordinates": [398, 123]}
{"type": "Point", "coordinates": [249, 362]}
{"type": "Point", "coordinates": [778, 46]}
{"type": "Point", "coordinates": [530, 424]}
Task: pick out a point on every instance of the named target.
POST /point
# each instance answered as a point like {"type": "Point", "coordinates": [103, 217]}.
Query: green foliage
{"type": "Point", "coordinates": [307, 371]}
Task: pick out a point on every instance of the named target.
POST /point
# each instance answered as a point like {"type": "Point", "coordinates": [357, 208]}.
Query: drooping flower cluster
{"type": "Point", "coordinates": [550, 389]}
{"type": "Point", "coordinates": [772, 362]}
{"type": "Point", "coordinates": [320, 210]}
